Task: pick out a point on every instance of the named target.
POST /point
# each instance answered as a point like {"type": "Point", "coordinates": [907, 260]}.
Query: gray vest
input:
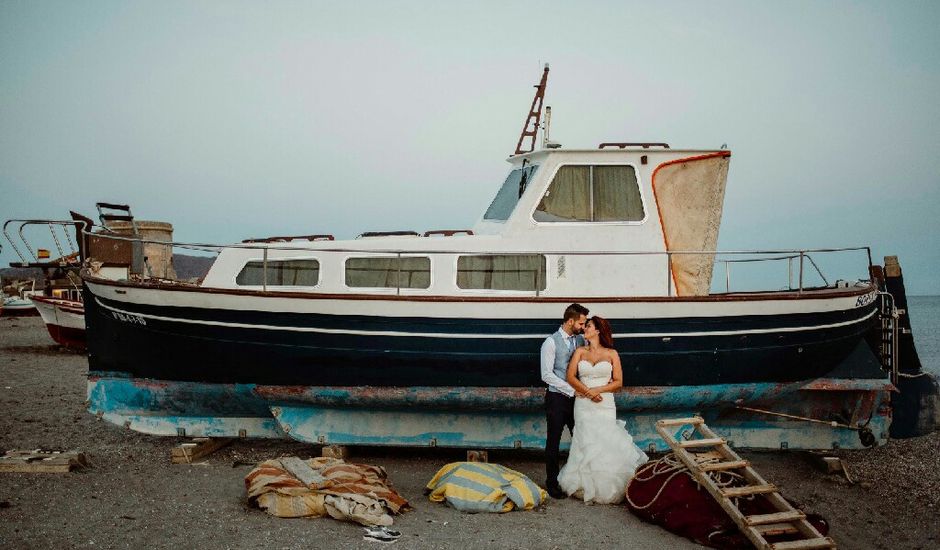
{"type": "Point", "coordinates": [563, 355]}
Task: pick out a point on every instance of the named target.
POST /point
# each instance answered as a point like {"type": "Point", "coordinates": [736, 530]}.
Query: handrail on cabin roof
{"type": "Point", "coordinates": [250, 246]}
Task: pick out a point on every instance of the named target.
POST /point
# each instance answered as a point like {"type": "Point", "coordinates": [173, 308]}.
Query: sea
{"type": "Point", "coordinates": [925, 324]}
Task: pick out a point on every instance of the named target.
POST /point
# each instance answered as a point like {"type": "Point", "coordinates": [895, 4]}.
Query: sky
{"type": "Point", "coordinates": [244, 119]}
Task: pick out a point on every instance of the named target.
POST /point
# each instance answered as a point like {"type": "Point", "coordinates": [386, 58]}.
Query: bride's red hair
{"type": "Point", "coordinates": [603, 328]}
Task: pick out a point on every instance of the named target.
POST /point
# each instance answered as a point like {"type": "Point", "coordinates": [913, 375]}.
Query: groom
{"type": "Point", "coordinates": [559, 399]}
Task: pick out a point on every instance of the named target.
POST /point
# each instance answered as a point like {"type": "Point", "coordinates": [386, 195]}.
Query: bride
{"type": "Point", "coordinates": [603, 456]}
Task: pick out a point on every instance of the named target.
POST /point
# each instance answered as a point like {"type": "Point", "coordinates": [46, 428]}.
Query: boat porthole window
{"type": "Point", "coordinates": [596, 193]}
{"type": "Point", "coordinates": [501, 272]}
{"type": "Point", "coordinates": [280, 273]}
{"type": "Point", "coordinates": [388, 272]}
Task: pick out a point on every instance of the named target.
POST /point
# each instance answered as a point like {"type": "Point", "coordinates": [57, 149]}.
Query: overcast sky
{"type": "Point", "coordinates": [245, 119]}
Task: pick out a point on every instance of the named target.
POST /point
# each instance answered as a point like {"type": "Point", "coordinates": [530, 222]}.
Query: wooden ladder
{"type": "Point", "coordinates": [786, 520]}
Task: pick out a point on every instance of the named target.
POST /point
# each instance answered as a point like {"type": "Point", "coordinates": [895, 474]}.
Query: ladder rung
{"type": "Point", "coordinates": [806, 544]}
{"type": "Point", "coordinates": [778, 517]}
{"type": "Point", "coordinates": [774, 529]}
{"type": "Point", "coordinates": [721, 466]}
{"type": "Point", "coordinates": [680, 421]}
{"type": "Point", "coordinates": [748, 490]}
{"type": "Point", "coordinates": [701, 443]}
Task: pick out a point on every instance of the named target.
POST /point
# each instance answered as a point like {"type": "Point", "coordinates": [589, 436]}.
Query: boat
{"type": "Point", "coordinates": [432, 338]}
{"type": "Point", "coordinates": [64, 319]}
{"type": "Point", "coordinates": [17, 303]}
{"type": "Point", "coordinates": [17, 306]}
{"type": "Point", "coordinates": [59, 301]}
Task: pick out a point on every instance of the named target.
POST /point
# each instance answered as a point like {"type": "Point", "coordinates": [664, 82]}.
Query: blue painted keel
{"type": "Point", "coordinates": [493, 418]}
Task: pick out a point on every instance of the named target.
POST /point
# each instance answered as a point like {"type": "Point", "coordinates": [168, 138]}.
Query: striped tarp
{"type": "Point", "coordinates": [479, 487]}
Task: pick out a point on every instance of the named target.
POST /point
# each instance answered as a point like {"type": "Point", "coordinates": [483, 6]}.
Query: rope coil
{"type": "Point", "coordinates": [671, 465]}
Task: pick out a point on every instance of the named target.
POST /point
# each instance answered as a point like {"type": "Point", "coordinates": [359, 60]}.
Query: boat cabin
{"type": "Point", "coordinates": [624, 221]}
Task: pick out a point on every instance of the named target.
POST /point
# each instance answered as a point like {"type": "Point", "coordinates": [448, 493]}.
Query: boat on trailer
{"type": "Point", "coordinates": [407, 338]}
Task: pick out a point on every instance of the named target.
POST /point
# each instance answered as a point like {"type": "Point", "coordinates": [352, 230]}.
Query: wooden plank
{"type": "Point", "coordinates": [775, 529]}
{"type": "Point", "coordinates": [39, 461]}
{"type": "Point", "coordinates": [187, 453]}
{"type": "Point", "coordinates": [732, 492]}
{"type": "Point", "coordinates": [692, 443]}
{"type": "Point", "coordinates": [722, 466]}
{"type": "Point", "coordinates": [779, 517]}
{"type": "Point", "coordinates": [806, 544]}
{"type": "Point", "coordinates": [695, 421]}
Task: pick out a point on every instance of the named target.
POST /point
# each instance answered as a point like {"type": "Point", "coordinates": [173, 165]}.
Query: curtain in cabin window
{"type": "Point", "coordinates": [616, 194]}
{"type": "Point", "coordinates": [501, 272]}
{"type": "Point", "coordinates": [568, 198]}
{"type": "Point", "coordinates": [592, 193]}
{"type": "Point", "coordinates": [280, 273]}
{"type": "Point", "coordinates": [388, 272]}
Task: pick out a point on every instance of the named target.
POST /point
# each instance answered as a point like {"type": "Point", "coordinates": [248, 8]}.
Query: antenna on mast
{"type": "Point", "coordinates": [535, 114]}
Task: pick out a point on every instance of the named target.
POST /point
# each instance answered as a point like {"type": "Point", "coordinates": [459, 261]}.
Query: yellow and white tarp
{"type": "Point", "coordinates": [479, 487]}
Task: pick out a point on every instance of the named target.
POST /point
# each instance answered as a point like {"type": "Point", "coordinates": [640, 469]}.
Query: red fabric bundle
{"type": "Point", "coordinates": [671, 499]}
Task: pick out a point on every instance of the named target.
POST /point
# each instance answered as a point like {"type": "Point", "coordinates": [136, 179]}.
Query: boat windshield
{"type": "Point", "coordinates": [509, 194]}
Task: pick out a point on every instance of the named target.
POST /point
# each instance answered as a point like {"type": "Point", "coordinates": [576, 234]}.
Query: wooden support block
{"type": "Point", "coordinates": [40, 461]}
{"type": "Point", "coordinates": [478, 456]}
{"type": "Point", "coordinates": [722, 466]}
{"type": "Point", "coordinates": [695, 421]}
{"type": "Point", "coordinates": [710, 442]}
{"type": "Point", "coordinates": [187, 453]}
{"type": "Point", "coordinates": [335, 451]}
{"type": "Point", "coordinates": [807, 544]}
{"type": "Point", "coordinates": [828, 464]}
{"type": "Point", "coordinates": [732, 492]}
{"type": "Point", "coordinates": [778, 517]}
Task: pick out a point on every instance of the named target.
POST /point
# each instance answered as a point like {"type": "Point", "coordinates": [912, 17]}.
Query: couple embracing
{"type": "Point", "coordinates": [582, 370]}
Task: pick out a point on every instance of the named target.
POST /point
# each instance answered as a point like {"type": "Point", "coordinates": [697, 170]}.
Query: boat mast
{"type": "Point", "coordinates": [531, 126]}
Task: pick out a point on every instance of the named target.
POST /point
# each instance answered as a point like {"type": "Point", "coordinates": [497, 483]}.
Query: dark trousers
{"type": "Point", "coordinates": [559, 412]}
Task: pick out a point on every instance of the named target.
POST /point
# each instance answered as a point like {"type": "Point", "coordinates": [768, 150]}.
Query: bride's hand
{"type": "Point", "coordinates": [591, 394]}
{"type": "Point", "coordinates": [597, 398]}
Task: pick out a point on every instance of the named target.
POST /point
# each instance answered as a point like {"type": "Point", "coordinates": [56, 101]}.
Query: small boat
{"type": "Point", "coordinates": [408, 338]}
{"type": "Point", "coordinates": [15, 306]}
{"type": "Point", "coordinates": [64, 319]}
{"type": "Point", "coordinates": [19, 304]}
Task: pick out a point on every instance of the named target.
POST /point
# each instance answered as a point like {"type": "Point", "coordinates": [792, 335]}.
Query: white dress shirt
{"type": "Point", "coordinates": [548, 363]}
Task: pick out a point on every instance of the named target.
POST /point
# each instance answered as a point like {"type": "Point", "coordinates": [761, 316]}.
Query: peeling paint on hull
{"type": "Point", "coordinates": [492, 418]}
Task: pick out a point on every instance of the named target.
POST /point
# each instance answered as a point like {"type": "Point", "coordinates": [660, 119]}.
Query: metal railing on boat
{"type": "Point", "coordinates": [800, 256]}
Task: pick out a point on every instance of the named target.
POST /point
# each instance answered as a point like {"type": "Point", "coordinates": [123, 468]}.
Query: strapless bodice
{"type": "Point", "coordinates": [596, 374]}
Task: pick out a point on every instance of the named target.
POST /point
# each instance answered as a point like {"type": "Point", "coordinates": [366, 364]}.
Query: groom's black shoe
{"type": "Point", "coordinates": [556, 492]}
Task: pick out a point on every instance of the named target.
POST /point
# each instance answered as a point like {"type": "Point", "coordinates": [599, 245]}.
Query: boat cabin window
{"type": "Point", "coordinates": [600, 193]}
{"type": "Point", "coordinates": [280, 273]}
{"type": "Point", "coordinates": [501, 272]}
{"type": "Point", "coordinates": [388, 272]}
{"type": "Point", "coordinates": [509, 194]}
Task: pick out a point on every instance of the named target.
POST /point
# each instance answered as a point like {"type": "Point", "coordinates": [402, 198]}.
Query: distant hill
{"type": "Point", "coordinates": [187, 267]}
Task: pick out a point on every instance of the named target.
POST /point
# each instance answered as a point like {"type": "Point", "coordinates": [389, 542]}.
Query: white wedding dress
{"type": "Point", "coordinates": [603, 456]}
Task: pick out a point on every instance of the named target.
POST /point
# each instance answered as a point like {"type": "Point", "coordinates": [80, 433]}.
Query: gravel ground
{"type": "Point", "coordinates": [133, 497]}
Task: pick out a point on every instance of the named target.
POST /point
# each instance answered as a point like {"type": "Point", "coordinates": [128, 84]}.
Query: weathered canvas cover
{"type": "Point", "coordinates": [689, 195]}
